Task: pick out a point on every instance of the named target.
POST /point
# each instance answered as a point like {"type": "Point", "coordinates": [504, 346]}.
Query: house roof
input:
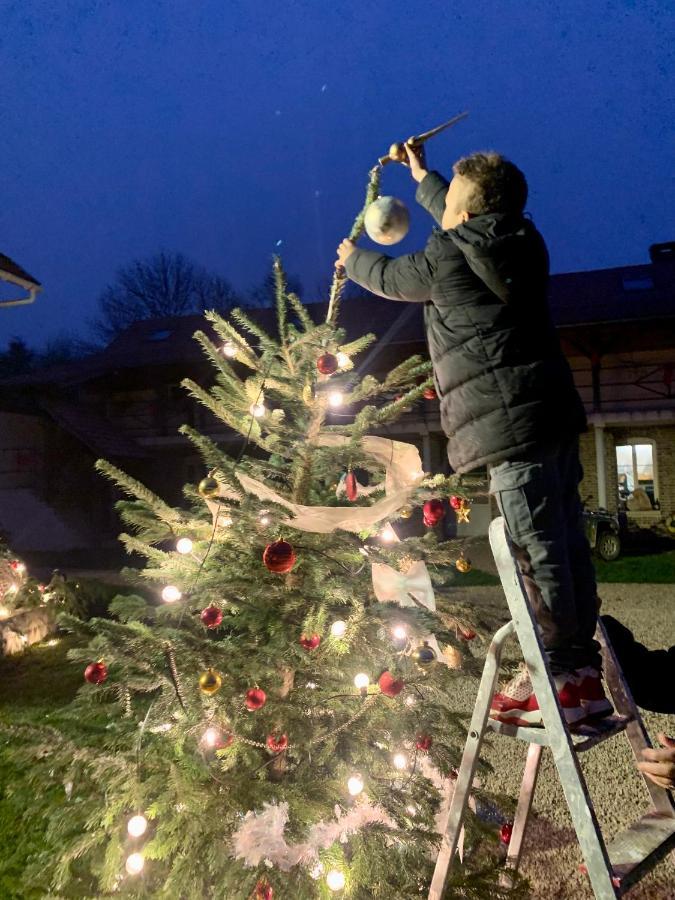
{"type": "Point", "coordinates": [92, 430]}
{"type": "Point", "coordinates": [11, 271]}
{"type": "Point", "coordinates": [624, 294]}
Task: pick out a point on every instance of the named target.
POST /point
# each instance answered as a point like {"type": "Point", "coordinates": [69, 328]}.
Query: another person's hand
{"type": "Point", "coordinates": [659, 765]}
{"type": "Point", "coordinates": [344, 251]}
{"type": "Point", "coordinates": [416, 160]}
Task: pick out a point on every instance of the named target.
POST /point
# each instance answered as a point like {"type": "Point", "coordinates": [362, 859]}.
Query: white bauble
{"type": "Point", "coordinates": [387, 220]}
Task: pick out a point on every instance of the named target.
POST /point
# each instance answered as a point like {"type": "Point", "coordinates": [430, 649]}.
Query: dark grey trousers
{"type": "Point", "coordinates": [539, 500]}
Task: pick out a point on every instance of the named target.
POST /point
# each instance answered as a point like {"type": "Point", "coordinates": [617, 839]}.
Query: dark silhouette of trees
{"type": "Point", "coordinates": [167, 284]}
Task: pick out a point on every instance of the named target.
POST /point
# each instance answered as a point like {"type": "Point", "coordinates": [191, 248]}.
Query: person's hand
{"type": "Point", "coordinates": [344, 251]}
{"type": "Point", "coordinates": [659, 765]}
{"type": "Point", "coordinates": [416, 160]}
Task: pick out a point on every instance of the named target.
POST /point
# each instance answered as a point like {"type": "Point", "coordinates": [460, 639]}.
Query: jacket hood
{"type": "Point", "coordinates": [506, 252]}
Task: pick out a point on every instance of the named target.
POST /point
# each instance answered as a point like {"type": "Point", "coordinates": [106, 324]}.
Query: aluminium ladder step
{"type": "Point", "coordinates": [639, 847]}
{"type": "Point", "coordinates": [584, 736]}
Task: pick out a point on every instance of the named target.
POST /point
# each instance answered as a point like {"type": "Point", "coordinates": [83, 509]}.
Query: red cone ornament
{"type": "Point", "coordinates": [211, 616]}
{"type": "Point", "coordinates": [467, 634]}
{"type": "Point", "coordinates": [327, 364]}
{"type": "Point", "coordinates": [433, 512]}
{"type": "Point", "coordinates": [255, 699]}
{"type": "Point", "coordinates": [263, 891]}
{"type": "Point", "coordinates": [351, 486]}
{"type": "Point", "coordinates": [277, 742]}
{"type": "Point", "coordinates": [279, 557]}
{"type": "Point", "coordinates": [423, 742]}
{"type": "Point", "coordinates": [96, 673]}
{"type": "Point", "coordinates": [310, 641]}
{"type": "Point", "coordinates": [390, 686]}
{"type": "Point", "coordinates": [430, 393]}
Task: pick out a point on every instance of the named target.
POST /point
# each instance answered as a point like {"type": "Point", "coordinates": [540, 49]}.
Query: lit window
{"type": "Point", "coordinates": [636, 472]}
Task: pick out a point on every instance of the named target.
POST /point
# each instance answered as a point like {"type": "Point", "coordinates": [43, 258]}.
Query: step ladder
{"type": "Point", "coordinates": [612, 868]}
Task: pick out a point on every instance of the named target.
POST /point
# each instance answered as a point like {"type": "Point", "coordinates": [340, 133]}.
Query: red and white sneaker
{"type": "Point", "coordinates": [592, 694]}
{"type": "Point", "coordinates": [516, 704]}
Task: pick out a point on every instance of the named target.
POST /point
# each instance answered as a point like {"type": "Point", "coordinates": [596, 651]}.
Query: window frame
{"type": "Point", "coordinates": [632, 442]}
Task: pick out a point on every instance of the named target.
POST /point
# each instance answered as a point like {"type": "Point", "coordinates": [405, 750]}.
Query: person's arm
{"type": "Point", "coordinates": [404, 278]}
{"type": "Point", "coordinates": [650, 673]}
{"type": "Point", "coordinates": [432, 186]}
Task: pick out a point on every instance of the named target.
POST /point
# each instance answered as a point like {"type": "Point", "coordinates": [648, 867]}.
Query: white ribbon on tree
{"type": "Point", "coordinates": [403, 473]}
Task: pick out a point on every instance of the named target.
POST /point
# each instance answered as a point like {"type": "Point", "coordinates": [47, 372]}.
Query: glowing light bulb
{"type": "Point", "coordinates": [338, 628]}
{"type": "Point", "coordinates": [400, 761]}
{"type": "Point", "coordinates": [211, 736]}
{"type": "Point", "coordinates": [137, 825]}
{"type": "Point", "coordinates": [342, 358]}
{"type": "Point", "coordinates": [230, 349]}
{"type": "Point", "coordinates": [264, 517]}
{"type": "Point", "coordinates": [355, 785]}
{"type": "Point", "coordinates": [171, 593]}
{"type": "Point", "coordinates": [399, 633]}
{"type": "Point", "coordinates": [412, 809]}
{"type": "Point", "coordinates": [335, 880]}
{"type": "Point", "coordinates": [361, 680]}
{"type": "Point", "coordinates": [134, 863]}
{"type": "Point", "coordinates": [335, 399]}
{"type": "Point", "coordinates": [257, 410]}
{"type": "Point", "coordinates": [12, 589]}
{"type": "Point", "coordinates": [20, 568]}
{"type": "Point", "coordinates": [184, 545]}
{"type": "Point", "coordinates": [388, 535]}
{"type": "Point", "coordinates": [410, 700]}
{"type": "Point", "coordinates": [316, 871]}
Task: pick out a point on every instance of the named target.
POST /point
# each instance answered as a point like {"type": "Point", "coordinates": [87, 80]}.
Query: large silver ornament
{"type": "Point", "coordinates": [387, 220]}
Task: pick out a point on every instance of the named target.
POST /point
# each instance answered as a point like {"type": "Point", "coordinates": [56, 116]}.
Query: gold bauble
{"type": "Point", "coordinates": [424, 655]}
{"type": "Point", "coordinates": [210, 682]}
{"type": "Point", "coordinates": [208, 487]}
{"type": "Point", "coordinates": [405, 512]}
{"type": "Point", "coordinates": [452, 656]}
{"type": "Point", "coordinates": [463, 565]}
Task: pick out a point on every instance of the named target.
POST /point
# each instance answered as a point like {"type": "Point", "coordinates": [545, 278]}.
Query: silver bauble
{"type": "Point", "coordinates": [387, 220]}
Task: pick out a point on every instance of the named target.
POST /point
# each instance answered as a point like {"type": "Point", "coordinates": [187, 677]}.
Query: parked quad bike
{"type": "Point", "coordinates": [603, 533]}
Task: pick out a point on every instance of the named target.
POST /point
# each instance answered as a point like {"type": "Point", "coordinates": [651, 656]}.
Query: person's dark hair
{"type": "Point", "coordinates": [499, 185]}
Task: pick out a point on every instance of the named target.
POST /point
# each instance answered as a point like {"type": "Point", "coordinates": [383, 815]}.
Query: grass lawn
{"type": "Point", "coordinates": [657, 568]}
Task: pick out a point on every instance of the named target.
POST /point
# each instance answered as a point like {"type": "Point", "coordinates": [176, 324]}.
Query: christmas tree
{"type": "Point", "coordinates": [269, 715]}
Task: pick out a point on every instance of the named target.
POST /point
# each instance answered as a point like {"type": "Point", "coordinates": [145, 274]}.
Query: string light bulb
{"type": "Point", "coordinates": [170, 594]}
{"type": "Point", "coordinates": [400, 761]}
{"type": "Point", "coordinates": [335, 399]}
{"type": "Point", "coordinates": [230, 349]}
{"type": "Point", "coordinates": [399, 633]}
{"type": "Point", "coordinates": [211, 736]}
{"type": "Point", "coordinates": [134, 864]}
{"type": "Point", "coordinates": [388, 535]}
{"type": "Point", "coordinates": [257, 410]}
{"type": "Point", "coordinates": [338, 628]}
{"type": "Point", "coordinates": [137, 825]}
{"type": "Point", "coordinates": [342, 358]}
{"type": "Point", "coordinates": [184, 545]}
{"type": "Point", "coordinates": [361, 680]}
{"type": "Point", "coordinates": [355, 785]}
{"type": "Point", "coordinates": [335, 880]}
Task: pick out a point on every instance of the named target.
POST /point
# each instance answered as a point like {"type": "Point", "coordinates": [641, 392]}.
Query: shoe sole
{"type": "Point", "coordinates": [532, 719]}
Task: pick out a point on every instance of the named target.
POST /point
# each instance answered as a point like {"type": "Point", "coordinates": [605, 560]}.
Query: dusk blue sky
{"type": "Point", "coordinates": [218, 128]}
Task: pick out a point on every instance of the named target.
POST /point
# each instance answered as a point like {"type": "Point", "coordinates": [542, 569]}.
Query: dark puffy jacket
{"type": "Point", "coordinates": [505, 387]}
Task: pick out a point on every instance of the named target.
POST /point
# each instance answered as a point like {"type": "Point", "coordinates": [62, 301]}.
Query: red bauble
{"type": "Point", "coordinates": [279, 557]}
{"type": "Point", "coordinates": [430, 393]}
{"type": "Point", "coordinates": [505, 833]}
{"type": "Point", "coordinates": [255, 699]}
{"type": "Point", "coordinates": [277, 742]}
{"type": "Point", "coordinates": [211, 616]}
{"type": "Point", "coordinates": [423, 742]}
{"type": "Point", "coordinates": [351, 486]}
{"type": "Point", "coordinates": [96, 673]}
{"type": "Point", "coordinates": [327, 364]}
{"type": "Point", "coordinates": [390, 686]}
{"type": "Point", "coordinates": [456, 502]}
{"type": "Point", "coordinates": [14, 564]}
{"type": "Point", "coordinates": [467, 634]}
{"type": "Point", "coordinates": [433, 512]}
{"type": "Point", "coordinates": [310, 641]}
{"type": "Point", "coordinates": [263, 890]}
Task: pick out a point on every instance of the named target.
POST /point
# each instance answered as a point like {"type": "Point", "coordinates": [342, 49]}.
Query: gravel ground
{"type": "Point", "coordinates": [551, 856]}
